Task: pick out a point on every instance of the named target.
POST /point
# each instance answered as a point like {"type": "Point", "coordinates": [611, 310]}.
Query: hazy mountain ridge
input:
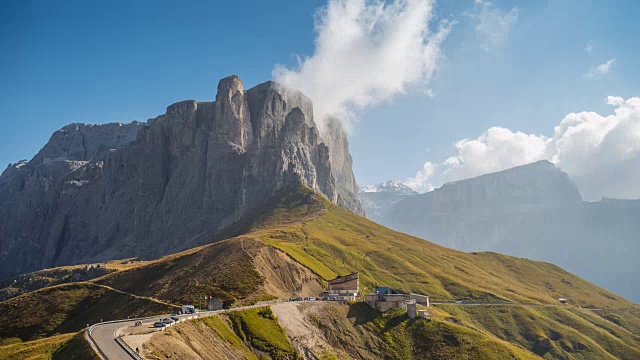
{"type": "Point", "coordinates": [532, 211]}
{"type": "Point", "coordinates": [391, 186]}
{"type": "Point", "coordinates": [377, 199]}
{"type": "Point", "coordinates": [99, 192]}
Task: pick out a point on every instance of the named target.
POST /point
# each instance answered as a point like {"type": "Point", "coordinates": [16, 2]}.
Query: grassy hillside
{"type": "Point", "coordinates": [357, 331]}
{"type": "Point", "coordinates": [337, 241]}
{"type": "Point", "coordinates": [249, 334]}
{"type": "Point", "coordinates": [209, 338]}
{"type": "Point", "coordinates": [77, 348]}
{"type": "Point", "coordinates": [291, 246]}
{"type": "Point", "coordinates": [551, 332]}
{"type": "Point", "coordinates": [25, 283]}
{"type": "Point", "coordinates": [260, 328]}
{"type": "Point", "coordinates": [41, 349]}
{"type": "Point", "coordinates": [68, 308]}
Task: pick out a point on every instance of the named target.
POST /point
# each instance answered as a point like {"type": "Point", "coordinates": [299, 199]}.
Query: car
{"type": "Point", "coordinates": [168, 321]}
{"type": "Point", "coordinates": [458, 302]}
{"type": "Point", "coordinates": [159, 324]}
{"type": "Point", "coordinates": [175, 318]}
{"type": "Point", "coordinates": [188, 309]}
{"type": "Point", "coordinates": [312, 299]}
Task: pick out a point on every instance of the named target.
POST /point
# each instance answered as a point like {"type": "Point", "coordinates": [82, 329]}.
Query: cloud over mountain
{"type": "Point", "coordinates": [366, 53]}
{"type": "Point", "coordinates": [600, 153]}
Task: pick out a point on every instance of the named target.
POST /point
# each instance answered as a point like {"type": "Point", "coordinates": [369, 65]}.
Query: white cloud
{"type": "Point", "coordinates": [422, 181]}
{"type": "Point", "coordinates": [601, 154]}
{"type": "Point", "coordinates": [492, 24]}
{"type": "Point", "coordinates": [366, 53]}
{"type": "Point", "coordinates": [497, 149]}
{"type": "Point", "coordinates": [599, 71]}
{"type": "Point", "coordinates": [589, 47]}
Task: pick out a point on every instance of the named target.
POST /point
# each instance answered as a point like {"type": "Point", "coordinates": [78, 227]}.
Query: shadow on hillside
{"type": "Point", "coordinates": [362, 313]}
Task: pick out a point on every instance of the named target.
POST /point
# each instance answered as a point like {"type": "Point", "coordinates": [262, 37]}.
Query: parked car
{"type": "Point", "coordinates": [188, 309]}
{"type": "Point", "coordinates": [312, 299]}
{"type": "Point", "coordinates": [175, 318]}
{"type": "Point", "coordinates": [168, 321]}
{"type": "Point", "coordinates": [159, 324]}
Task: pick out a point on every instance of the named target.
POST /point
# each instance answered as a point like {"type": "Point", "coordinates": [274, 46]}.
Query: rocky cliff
{"type": "Point", "coordinates": [98, 192]}
{"type": "Point", "coordinates": [346, 186]}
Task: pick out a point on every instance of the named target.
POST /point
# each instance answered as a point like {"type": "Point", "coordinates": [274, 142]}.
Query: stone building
{"type": "Point", "coordinates": [343, 288]}
{"type": "Point", "coordinates": [215, 304]}
{"type": "Point", "coordinates": [386, 298]}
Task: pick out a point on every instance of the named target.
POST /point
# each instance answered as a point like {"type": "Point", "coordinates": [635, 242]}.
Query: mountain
{"type": "Point", "coordinates": [100, 192]}
{"type": "Point", "coordinates": [532, 211]}
{"type": "Point", "coordinates": [341, 166]}
{"type": "Point", "coordinates": [377, 199]}
{"type": "Point", "coordinates": [291, 246]}
{"type": "Point", "coordinates": [391, 187]}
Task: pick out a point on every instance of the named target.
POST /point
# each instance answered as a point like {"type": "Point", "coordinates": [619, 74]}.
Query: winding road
{"type": "Point", "coordinates": [104, 336]}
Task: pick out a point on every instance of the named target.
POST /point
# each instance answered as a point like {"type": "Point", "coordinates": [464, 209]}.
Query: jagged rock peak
{"type": "Point", "coordinates": [86, 142]}
{"type": "Point", "coordinates": [98, 192]}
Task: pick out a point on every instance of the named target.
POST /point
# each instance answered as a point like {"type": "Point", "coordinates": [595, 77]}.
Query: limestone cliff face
{"type": "Point", "coordinates": [341, 160]}
{"type": "Point", "coordinates": [97, 192]}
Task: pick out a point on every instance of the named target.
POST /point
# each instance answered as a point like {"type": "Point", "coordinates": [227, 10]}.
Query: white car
{"type": "Point", "coordinates": [168, 321]}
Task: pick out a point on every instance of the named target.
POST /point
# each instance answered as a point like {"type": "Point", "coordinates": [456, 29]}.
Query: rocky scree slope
{"type": "Point", "coordinates": [99, 192]}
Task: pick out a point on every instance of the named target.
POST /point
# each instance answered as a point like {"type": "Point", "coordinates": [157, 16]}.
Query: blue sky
{"type": "Point", "coordinates": [97, 62]}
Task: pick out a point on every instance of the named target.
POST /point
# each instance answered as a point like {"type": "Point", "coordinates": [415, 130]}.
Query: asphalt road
{"type": "Point", "coordinates": [104, 336]}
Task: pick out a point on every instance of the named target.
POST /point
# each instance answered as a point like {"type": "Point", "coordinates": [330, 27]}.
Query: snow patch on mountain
{"type": "Point", "coordinates": [390, 186]}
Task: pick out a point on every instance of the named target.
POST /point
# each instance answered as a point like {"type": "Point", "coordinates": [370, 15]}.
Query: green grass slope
{"type": "Point", "coordinates": [323, 241]}
{"type": "Point", "coordinates": [41, 349]}
{"type": "Point", "coordinates": [393, 335]}
{"type": "Point", "coordinates": [260, 329]}
{"type": "Point", "coordinates": [223, 270]}
{"type": "Point", "coordinates": [77, 348]}
{"type": "Point", "coordinates": [68, 308]}
{"type": "Point", "coordinates": [337, 241]}
{"type": "Point", "coordinates": [550, 332]}
{"type": "Point", "coordinates": [249, 334]}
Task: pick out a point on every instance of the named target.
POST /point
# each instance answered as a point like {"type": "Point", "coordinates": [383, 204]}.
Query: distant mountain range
{"type": "Point", "coordinates": [379, 199]}
{"type": "Point", "coordinates": [531, 211]}
{"type": "Point", "coordinates": [392, 187]}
